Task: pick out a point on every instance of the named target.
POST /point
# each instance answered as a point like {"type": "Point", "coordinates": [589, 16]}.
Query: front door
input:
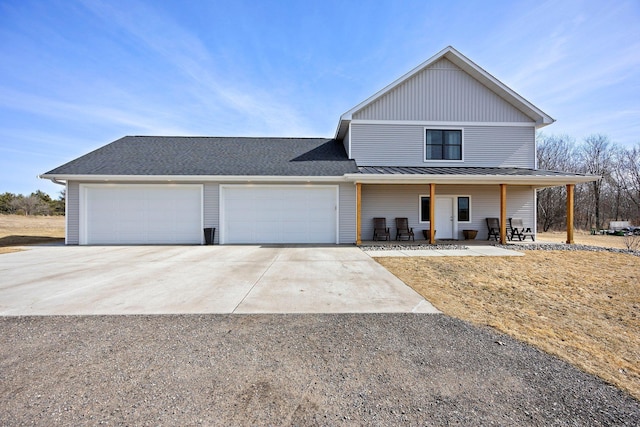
{"type": "Point", "coordinates": [444, 217]}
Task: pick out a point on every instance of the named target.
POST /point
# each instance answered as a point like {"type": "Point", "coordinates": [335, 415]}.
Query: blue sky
{"type": "Point", "coordinates": [75, 75]}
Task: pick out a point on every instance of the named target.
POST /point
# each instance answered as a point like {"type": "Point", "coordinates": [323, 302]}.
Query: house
{"type": "Point", "coordinates": [446, 145]}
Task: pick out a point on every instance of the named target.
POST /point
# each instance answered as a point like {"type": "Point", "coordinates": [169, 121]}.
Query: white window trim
{"type": "Point", "coordinates": [424, 144]}
{"type": "Point", "coordinates": [455, 210]}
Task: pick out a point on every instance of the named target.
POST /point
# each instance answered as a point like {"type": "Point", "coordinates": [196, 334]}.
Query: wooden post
{"type": "Point", "coordinates": [570, 197]}
{"type": "Point", "coordinates": [503, 214]}
{"type": "Point", "coordinates": [432, 214]}
{"type": "Point", "coordinates": [358, 213]}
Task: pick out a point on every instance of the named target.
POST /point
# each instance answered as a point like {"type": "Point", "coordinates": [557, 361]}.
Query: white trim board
{"type": "Point", "coordinates": [441, 123]}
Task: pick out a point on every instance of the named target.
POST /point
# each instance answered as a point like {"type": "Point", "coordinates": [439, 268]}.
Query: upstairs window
{"type": "Point", "coordinates": [443, 144]}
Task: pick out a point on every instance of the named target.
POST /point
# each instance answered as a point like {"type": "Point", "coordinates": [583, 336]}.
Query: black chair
{"type": "Point", "coordinates": [380, 229]}
{"type": "Point", "coordinates": [402, 224]}
{"type": "Point", "coordinates": [493, 224]}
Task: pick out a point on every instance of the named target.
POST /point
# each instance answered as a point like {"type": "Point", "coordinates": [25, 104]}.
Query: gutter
{"type": "Point", "coordinates": [191, 178]}
{"type": "Point", "coordinates": [540, 181]}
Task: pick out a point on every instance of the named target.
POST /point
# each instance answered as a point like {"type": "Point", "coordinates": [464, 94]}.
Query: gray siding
{"type": "Point", "coordinates": [403, 145]}
{"type": "Point", "coordinates": [211, 207]}
{"type": "Point", "coordinates": [346, 141]}
{"type": "Point", "coordinates": [391, 201]}
{"type": "Point", "coordinates": [347, 216]}
{"type": "Point", "coordinates": [211, 210]}
{"type": "Point", "coordinates": [73, 213]}
{"type": "Point", "coordinates": [442, 92]}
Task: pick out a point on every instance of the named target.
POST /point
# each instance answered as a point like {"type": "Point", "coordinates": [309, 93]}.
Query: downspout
{"type": "Point", "coordinates": [54, 180]}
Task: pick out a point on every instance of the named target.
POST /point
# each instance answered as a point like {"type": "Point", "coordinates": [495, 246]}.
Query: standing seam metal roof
{"type": "Point", "coordinates": [479, 171]}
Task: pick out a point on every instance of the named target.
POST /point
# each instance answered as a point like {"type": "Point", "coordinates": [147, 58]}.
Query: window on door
{"type": "Point", "coordinates": [464, 208]}
{"type": "Point", "coordinates": [425, 208]}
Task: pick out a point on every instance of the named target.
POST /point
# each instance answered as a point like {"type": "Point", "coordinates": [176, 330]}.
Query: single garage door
{"type": "Point", "coordinates": [279, 214]}
{"type": "Point", "coordinates": [141, 214]}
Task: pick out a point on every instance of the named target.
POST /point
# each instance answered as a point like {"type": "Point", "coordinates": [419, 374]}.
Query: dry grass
{"type": "Point", "coordinates": [17, 230]}
{"type": "Point", "coordinates": [581, 306]}
{"type": "Point", "coordinates": [582, 238]}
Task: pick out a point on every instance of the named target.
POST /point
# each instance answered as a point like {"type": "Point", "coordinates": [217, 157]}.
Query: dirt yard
{"type": "Point", "coordinates": [16, 230]}
{"type": "Point", "coordinates": [583, 238]}
{"type": "Point", "coordinates": [581, 306]}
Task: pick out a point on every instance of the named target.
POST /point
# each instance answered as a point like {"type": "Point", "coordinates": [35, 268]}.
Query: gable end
{"type": "Point", "coordinates": [441, 92]}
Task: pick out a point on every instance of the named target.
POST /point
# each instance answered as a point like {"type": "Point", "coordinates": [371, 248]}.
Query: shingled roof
{"type": "Point", "coordinates": [179, 155]}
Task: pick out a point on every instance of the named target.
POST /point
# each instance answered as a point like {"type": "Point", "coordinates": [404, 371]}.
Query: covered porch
{"type": "Point", "coordinates": [442, 203]}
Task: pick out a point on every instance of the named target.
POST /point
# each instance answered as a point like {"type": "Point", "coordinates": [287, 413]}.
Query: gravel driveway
{"type": "Point", "coordinates": [324, 369]}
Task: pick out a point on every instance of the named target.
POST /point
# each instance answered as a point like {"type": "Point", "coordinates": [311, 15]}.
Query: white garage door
{"type": "Point", "coordinates": [141, 214]}
{"type": "Point", "coordinates": [279, 214]}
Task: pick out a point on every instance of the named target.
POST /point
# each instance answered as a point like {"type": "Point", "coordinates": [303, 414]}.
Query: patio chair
{"type": "Point", "coordinates": [380, 229]}
{"type": "Point", "coordinates": [493, 224]}
{"type": "Point", "coordinates": [519, 230]}
{"type": "Point", "coordinates": [402, 225]}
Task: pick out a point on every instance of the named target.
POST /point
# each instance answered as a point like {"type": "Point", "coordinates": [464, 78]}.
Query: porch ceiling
{"type": "Point", "coordinates": [466, 175]}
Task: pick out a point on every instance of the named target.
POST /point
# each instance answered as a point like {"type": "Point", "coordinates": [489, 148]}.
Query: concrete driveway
{"type": "Point", "coordinates": [48, 280]}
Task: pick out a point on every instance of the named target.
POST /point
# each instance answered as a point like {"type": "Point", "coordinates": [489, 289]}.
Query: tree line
{"type": "Point", "coordinates": [616, 197]}
{"type": "Point", "coordinates": [37, 203]}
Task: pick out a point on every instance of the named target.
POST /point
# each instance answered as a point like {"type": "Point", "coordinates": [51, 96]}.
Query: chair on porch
{"type": "Point", "coordinates": [402, 225]}
{"type": "Point", "coordinates": [380, 229]}
{"type": "Point", "coordinates": [519, 230]}
{"type": "Point", "coordinates": [493, 224]}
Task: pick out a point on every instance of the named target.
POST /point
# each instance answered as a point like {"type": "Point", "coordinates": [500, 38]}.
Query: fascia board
{"type": "Point", "coordinates": [440, 123]}
{"type": "Point", "coordinates": [470, 179]}
{"type": "Point", "coordinates": [192, 178]}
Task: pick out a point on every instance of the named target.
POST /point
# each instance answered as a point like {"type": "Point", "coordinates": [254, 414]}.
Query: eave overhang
{"type": "Point", "coordinates": [363, 178]}
{"type": "Point", "coordinates": [191, 178]}
{"type": "Point", "coordinates": [532, 181]}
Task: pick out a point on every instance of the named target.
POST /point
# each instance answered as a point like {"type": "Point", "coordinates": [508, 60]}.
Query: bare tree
{"type": "Point", "coordinates": [631, 180]}
{"type": "Point", "coordinates": [555, 153]}
{"type": "Point", "coordinates": [595, 155]}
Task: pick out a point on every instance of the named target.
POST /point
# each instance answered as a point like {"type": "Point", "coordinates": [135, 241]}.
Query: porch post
{"type": "Point", "coordinates": [358, 213]}
{"type": "Point", "coordinates": [503, 214]}
{"type": "Point", "coordinates": [570, 200]}
{"type": "Point", "coordinates": [432, 214]}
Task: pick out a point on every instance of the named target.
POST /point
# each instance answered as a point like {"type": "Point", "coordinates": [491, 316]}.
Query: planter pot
{"type": "Point", "coordinates": [425, 233]}
{"type": "Point", "coordinates": [469, 234]}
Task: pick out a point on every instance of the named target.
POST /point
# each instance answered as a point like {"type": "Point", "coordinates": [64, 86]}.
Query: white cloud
{"type": "Point", "coordinates": [185, 51]}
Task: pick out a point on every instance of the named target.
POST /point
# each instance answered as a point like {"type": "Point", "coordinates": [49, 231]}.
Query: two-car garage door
{"type": "Point", "coordinates": [174, 214]}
